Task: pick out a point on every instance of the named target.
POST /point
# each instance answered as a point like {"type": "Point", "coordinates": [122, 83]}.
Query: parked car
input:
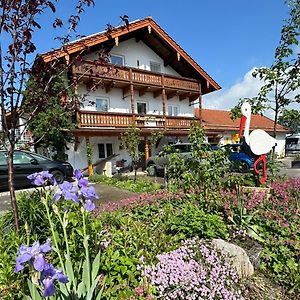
{"type": "Point", "coordinates": [241, 161]}
{"type": "Point", "coordinates": [292, 144]}
{"type": "Point", "coordinates": [156, 164]}
{"type": "Point", "coordinates": [26, 163]}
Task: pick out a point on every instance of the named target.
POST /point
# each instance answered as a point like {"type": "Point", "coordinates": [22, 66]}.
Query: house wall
{"type": "Point", "coordinates": [78, 158]}
{"type": "Point", "coordinates": [118, 104]}
{"type": "Point", "coordinates": [280, 138]}
{"type": "Point", "coordinates": [137, 55]}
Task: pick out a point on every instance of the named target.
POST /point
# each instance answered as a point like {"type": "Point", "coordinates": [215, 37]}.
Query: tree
{"type": "Point", "coordinates": [52, 124]}
{"type": "Point", "coordinates": [290, 118]}
{"type": "Point", "coordinates": [282, 79]}
{"type": "Point", "coordinates": [130, 140]}
{"type": "Point", "coordinates": [19, 20]}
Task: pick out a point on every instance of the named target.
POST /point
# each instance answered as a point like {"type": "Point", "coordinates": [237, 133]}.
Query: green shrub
{"type": "Point", "coordinates": [194, 222]}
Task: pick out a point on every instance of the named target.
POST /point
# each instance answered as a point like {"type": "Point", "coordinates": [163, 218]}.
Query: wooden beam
{"type": "Point", "coordinates": [143, 91]}
{"type": "Point", "coordinates": [146, 148]}
{"type": "Point", "coordinates": [184, 96]}
{"type": "Point", "coordinates": [131, 94]}
{"type": "Point", "coordinates": [171, 95]}
{"type": "Point", "coordinates": [157, 93]}
{"type": "Point", "coordinates": [169, 60]}
{"type": "Point", "coordinates": [109, 85]}
{"type": "Point", "coordinates": [164, 100]}
{"type": "Point", "coordinates": [126, 91]}
{"type": "Point", "coordinates": [89, 85]}
{"type": "Point", "coordinates": [138, 37]}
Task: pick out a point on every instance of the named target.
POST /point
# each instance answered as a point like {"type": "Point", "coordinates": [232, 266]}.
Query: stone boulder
{"type": "Point", "coordinates": [236, 256]}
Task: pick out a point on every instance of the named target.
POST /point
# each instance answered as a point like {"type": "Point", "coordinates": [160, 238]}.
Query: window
{"type": "Point", "coordinates": [22, 158]}
{"type": "Point", "coordinates": [105, 150]}
{"type": "Point", "coordinates": [117, 60]}
{"type": "Point", "coordinates": [173, 110]}
{"type": "Point", "coordinates": [102, 104]}
{"type": "Point", "coordinates": [141, 108]}
{"type": "Point", "coordinates": [3, 160]}
{"type": "Point", "coordinates": [155, 67]}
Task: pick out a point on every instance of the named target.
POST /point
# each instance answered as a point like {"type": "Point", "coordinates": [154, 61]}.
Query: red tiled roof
{"type": "Point", "coordinates": [219, 120]}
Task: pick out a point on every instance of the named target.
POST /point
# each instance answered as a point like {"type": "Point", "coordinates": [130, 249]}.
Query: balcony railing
{"type": "Point", "coordinates": [91, 119]}
{"type": "Point", "coordinates": [135, 76]}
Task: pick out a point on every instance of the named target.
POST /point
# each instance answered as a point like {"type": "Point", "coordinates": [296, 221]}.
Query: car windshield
{"type": "Point", "coordinates": [182, 148]}
{"type": "Point", "coordinates": [40, 158]}
{"type": "Point", "coordinates": [3, 160]}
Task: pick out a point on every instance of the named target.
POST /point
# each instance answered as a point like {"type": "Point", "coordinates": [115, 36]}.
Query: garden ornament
{"type": "Point", "coordinates": [258, 140]}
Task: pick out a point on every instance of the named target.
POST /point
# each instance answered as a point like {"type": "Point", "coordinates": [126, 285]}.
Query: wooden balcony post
{"type": "Point", "coordinates": [132, 95]}
{"type": "Point", "coordinates": [89, 159]}
{"type": "Point", "coordinates": [163, 94]}
{"type": "Point", "coordinates": [146, 148]}
{"type": "Point", "coordinates": [200, 104]}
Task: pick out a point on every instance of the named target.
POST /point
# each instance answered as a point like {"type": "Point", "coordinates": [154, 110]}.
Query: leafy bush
{"type": "Point", "coordinates": [194, 222]}
{"type": "Point", "coordinates": [198, 171]}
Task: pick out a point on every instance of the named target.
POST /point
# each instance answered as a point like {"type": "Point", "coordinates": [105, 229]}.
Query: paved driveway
{"type": "Point", "coordinates": [105, 192]}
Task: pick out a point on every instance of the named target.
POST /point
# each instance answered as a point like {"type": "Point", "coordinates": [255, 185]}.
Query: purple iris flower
{"type": "Point", "coordinates": [89, 195]}
{"type": "Point", "coordinates": [89, 205]}
{"type": "Point", "coordinates": [35, 253]}
{"type": "Point", "coordinates": [41, 178]}
{"type": "Point", "coordinates": [68, 191]}
{"type": "Point", "coordinates": [82, 182]}
{"type": "Point", "coordinates": [48, 275]}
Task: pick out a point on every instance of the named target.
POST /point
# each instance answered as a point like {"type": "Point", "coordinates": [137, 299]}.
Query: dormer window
{"type": "Point", "coordinates": [155, 67]}
{"type": "Point", "coordinates": [117, 60]}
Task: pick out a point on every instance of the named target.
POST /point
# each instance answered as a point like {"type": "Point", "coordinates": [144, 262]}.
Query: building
{"type": "Point", "coordinates": [220, 128]}
{"type": "Point", "coordinates": [150, 82]}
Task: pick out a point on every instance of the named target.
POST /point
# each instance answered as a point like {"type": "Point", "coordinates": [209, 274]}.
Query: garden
{"type": "Point", "coordinates": [160, 244]}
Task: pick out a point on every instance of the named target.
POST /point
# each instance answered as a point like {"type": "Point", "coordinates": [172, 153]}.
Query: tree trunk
{"type": "Point", "coordinates": [11, 186]}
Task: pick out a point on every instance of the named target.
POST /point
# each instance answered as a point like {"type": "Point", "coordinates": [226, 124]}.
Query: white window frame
{"type": "Point", "coordinates": [172, 110]}
{"type": "Point", "coordinates": [157, 65]}
{"type": "Point", "coordinates": [147, 106]}
{"type": "Point", "coordinates": [102, 98]}
{"type": "Point", "coordinates": [119, 56]}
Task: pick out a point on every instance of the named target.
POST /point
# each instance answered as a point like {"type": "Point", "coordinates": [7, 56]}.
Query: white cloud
{"type": "Point", "coordinates": [227, 98]}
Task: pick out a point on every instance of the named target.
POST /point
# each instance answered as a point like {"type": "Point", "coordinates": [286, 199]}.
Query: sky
{"type": "Point", "coordinates": [228, 39]}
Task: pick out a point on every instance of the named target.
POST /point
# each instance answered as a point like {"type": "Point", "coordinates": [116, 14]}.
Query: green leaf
{"type": "Point", "coordinates": [81, 290]}
{"type": "Point", "coordinates": [33, 291]}
{"type": "Point", "coordinates": [70, 272]}
{"type": "Point", "coordinates": [92, 288]}
{"type": "Point", "coordinates": [96, 266]}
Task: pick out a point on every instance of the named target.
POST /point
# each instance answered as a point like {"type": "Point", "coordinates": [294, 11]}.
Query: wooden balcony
{"type": "Point", "coordinates": [121, 77]}
{"type": "Point", "coordinates": [105, 120]}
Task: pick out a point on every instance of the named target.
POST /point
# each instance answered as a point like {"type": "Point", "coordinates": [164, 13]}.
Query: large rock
{"type": "Point", "coordinates": [236, 256]}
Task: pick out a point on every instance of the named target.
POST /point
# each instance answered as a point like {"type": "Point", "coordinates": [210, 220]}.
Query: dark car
{"type": "Point", "coordinates": [241, 161]}
{"type": "Point", "coordinates": [26, 163]}
{"type": "Point", "coordinates": [156, 164]}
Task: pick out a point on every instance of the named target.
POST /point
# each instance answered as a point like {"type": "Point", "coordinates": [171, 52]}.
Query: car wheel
{"type": "Point", "coordinates": [151, 169]}
{"type": "Point", "coordinates": [244, 167]}
{"type": "Point", "coordinates": [58, 176]}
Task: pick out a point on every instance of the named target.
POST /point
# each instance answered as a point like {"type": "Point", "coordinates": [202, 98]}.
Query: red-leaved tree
{"type": "Point", "coordinates": [19, 22]}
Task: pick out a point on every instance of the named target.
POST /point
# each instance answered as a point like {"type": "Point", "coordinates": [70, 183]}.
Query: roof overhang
{"type": "Point", "coordinates": [153, 36]}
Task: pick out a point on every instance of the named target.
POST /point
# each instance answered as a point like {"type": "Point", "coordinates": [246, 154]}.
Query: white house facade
{"type": "Point", "coordinates": [150, 82]}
